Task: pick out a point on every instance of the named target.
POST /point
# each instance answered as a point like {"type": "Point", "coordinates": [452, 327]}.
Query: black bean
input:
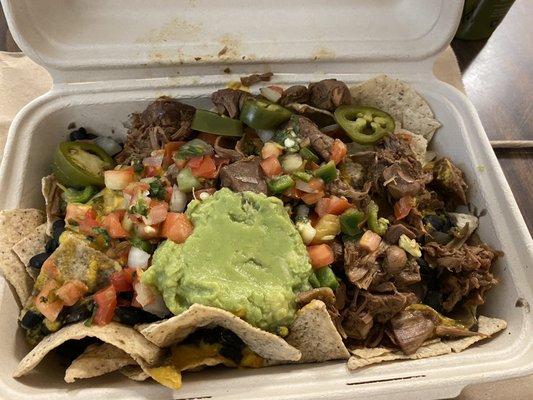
{"type": "Point", "coordinates": [81, 134]}
{"type": "Point", "coordinates": [31, 319]}
{"type": "Point", "coordinates": [38, 260]}
{"type": "Point", "coordinates": [58, 228]}
{"type": "Point", "coordinates": [51, 246]}
{"type": "Point", "coordinates": [76, 313]}
{"type": "Point", "coordinates": [133, 315]}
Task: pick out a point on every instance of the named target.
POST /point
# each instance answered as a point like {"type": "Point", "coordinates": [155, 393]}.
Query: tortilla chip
{"type": "Point", "coordinates": [134, 372]}
{"type": "Point", "coordinates": [121, 336]}
{"type": "Point", "coordinates": [407, 107]}
{"type": "Point", "coordinates": [30, 246]}
{"type": "Point", "coordinates": [96, 360]}
{"type": "Point", "coordinates": [486, 328]}
{"type": "Point", "coordinates": [75, 259]}
{"type": "Point", "coordinates": [52, 199]}
{"type": "Point", "coordinates": [314, 334]}
{"type": "Point", "coordinates": [175, 329]}
{"type": "Point", "coordinates": [15, 225]}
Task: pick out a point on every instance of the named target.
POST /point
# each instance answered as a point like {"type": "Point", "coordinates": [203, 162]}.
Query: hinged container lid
{"type": "Point", "coordinates": [67, 36]}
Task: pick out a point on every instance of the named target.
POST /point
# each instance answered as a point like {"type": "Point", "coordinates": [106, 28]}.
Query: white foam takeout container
{"type": "Point", "coordinates": [109, 59]}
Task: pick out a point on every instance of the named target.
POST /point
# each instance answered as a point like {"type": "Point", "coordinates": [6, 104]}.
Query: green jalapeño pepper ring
{"type": "Point", "coordinates": [261, 114]}
{"type": "Point", "coordinates": [81, 164]}
{"type": "Point", "coordinates": [210, 122]}
{"type": "Point", "coordinates": [364, 125]}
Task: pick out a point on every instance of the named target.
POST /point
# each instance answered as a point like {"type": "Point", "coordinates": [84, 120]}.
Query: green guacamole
{"type": "Point", "coordinates": [244, 256]}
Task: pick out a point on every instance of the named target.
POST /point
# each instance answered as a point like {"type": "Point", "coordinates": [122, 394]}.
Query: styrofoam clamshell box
{"type": "Point", "coordinates": [109, 59]}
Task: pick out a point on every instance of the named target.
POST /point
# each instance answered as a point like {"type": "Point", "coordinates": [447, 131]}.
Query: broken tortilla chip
{"type": "Point", "coordinates": [134, 372]}
{"type": "Point", "coordinates": [52, 199]}
{"type": "Point", "coordinates": [75, 259]}
{"type": "Point", "coordinates": [175, 329]}
{"type": "Point", "coordinates": [97, 360]}
{"type": "Point", "coordinates": [397, 98]}
{"type": "Point", "coordinates": [30, 246]}
{"type": "Point", "coordinates": [15, 225]}
{"type": "Point", "coordinates": [314, 334]}
{"type": "Point", "coordinates": [121, 336]}
{"type": "Point", "coordinates": [486, 328]}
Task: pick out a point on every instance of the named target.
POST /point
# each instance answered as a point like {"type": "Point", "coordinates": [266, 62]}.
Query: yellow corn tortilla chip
{"type": "Point", "coordinates": [175, 329]}
{"type": "Point", "coordinates": [486, 327]}
{"type": "Point", "coordinates": [52, 200]}
{"type": "Point", "coordinates": [123, 337]}
{"type": "Point", "coordinates": [314, 334]}
{"type": "Point", "coordinates": [15, 225]}
{"type": "Point", "coordinates": [97, 360]}
{"type": "Point", "coordinates": [403, 103]}
{"type": "Point", "coordinates": [31, 245]}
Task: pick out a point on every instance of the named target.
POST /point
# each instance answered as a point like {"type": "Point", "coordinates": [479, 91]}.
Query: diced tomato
{"type": "Point", "coordinates": [129, 275]}
{"type": "Point", "coordinates": [271, 149]}
{"type": "Point", "coordinates": [271, 166]}
{"type": "Point", "coordinates": [170, 149]}
{"type": "Point", "coordinates": [136, 187]}
{"type": "Point", "coordinates": [113, 225]}
{"type": "Point", "coordinates": [151, 171]}
{"type": "Point", "coordinates": [313, 218]}
{"type": "Point", "coordinates": [320, 255]}
{"type": "Point", "coordinates": [203, 167]}
{"type": "Point", "coordinates": [338, 151]}
{"type": "Point", "coordinates": [337, 205]}
{"type": "Point", "coordinates": [157, 213]}
{"type": "Point", "coordinates": [121, 281]}
{"type": "Point", "coordinates": [48, 304]}
{"type": "Point", "coordinates": [207, 137]}
{"type": "Point", "coordinates": [118, 179]}
{"type": "Point", "coordinates": [168, 195]}
{"type": "Point", "coordinates": [403, 207]}
{"type": "Point", "coordinates": [82, 216]}
{"type": "Point", "coordinates": [312, 165]}
{"type": "Point", "coordinates": [316, 184]}
{"type": "Point", "coordinates": [106, 302]}
{"type": "Point", "coordinates": [312, 198]}
{"type": "Point", "coordinates": [181, 163]}
{"type": "Point", "coordinates": [70, 292]}
{"type": "Point", "coordinates": [176, 227]}
{"type": "Point", "coordinates": [322, 206]}
{"type": "Point", "coordinates": [50, 269]}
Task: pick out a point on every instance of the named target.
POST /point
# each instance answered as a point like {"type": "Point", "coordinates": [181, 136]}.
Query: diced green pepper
{"type": "Point", "coordinates": [350, 221]}
{"type": "Point", "coordinates": [327, 278]}
{"type": "Point", "coordinates": [307, 154]}
{"type": "Point", "coordinates": [364, 125]}
{"type": "Point", "coordinates": [303, 176]}
{"type": "Point", "coordinates": [378, 225]}
{"type": "Point", "coordinates": [328, 172]}
{"type": "Point", "coordinates": [313, 280]}
{"type": "Point", "coordinates": [193, 148]}
{"type": "Point", "coordinates": [187, 181]}
{"type": "Point", "coordinates": [210, 122]}
{"type": "Point", "coordinates": [79, 196]}
{"type": "Point", "coordinates": [262, 114]}
{"type": "Point", "coordinates": [280, 184]}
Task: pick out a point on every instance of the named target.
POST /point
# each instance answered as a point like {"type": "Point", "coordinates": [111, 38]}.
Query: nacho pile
{"type": "Point", "coordinates": [298, 225]}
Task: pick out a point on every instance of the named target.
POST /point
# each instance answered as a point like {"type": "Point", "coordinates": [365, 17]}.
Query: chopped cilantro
{"type": "Point", "coordinates": [157, 190]}
{"type": "Point", "coordinates": [140, 208]}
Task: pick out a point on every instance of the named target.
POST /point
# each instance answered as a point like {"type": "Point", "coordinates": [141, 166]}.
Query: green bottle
{"type": "Point", "coordinates": [481, 17]}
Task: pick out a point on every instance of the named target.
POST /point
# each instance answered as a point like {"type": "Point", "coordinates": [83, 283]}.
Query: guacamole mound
{"type": "Point", "coordinates": [244, 256]}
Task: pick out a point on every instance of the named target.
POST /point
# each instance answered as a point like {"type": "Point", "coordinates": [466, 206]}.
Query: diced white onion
{"type": "Point", "coordinates": [204, 195]}
{"type": "Point", "coordinates": [110, 146]}
{"type": "Point", "coordinates": [138, 258]}
{"type": "Point", "coordinates": [289, 142]}
{"type": "Point", "coordinates": [292, 162]}
{"type": "Point", "coordinates": [272, 93]}
{"type": "Point", "coordinates": [178, 201]}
